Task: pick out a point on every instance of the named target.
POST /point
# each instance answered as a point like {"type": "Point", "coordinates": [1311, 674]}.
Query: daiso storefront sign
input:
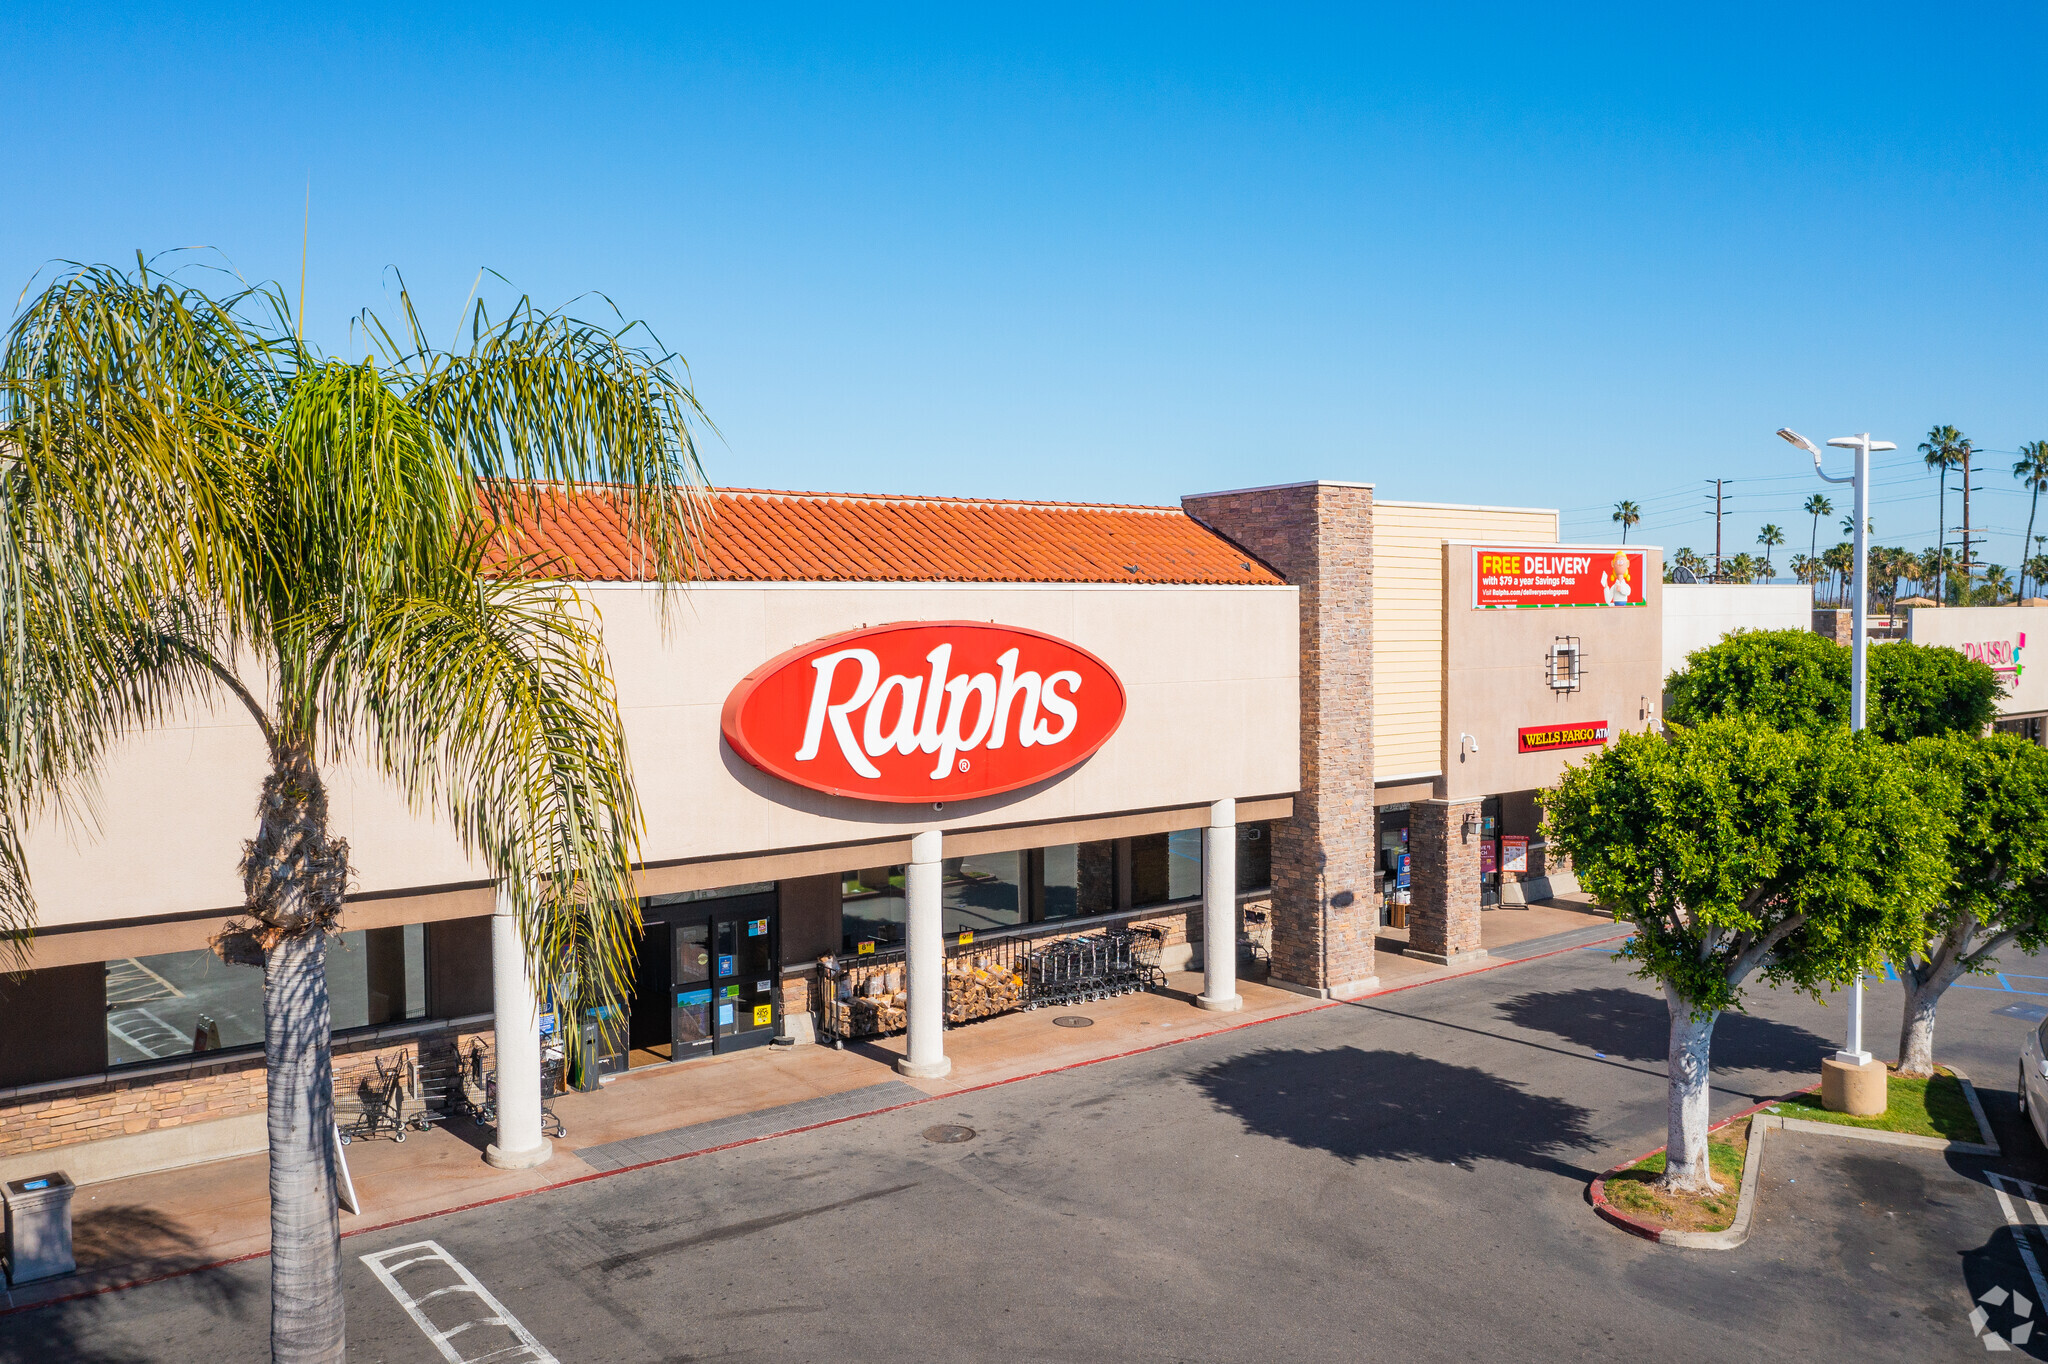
{"type": "Point", "coordinates": [924, 711]}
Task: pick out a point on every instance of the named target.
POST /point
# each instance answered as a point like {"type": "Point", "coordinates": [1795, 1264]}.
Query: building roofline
{"type": "Point", "coordinates": [1461, 506]}
{"type": "Point", "coordinates": [1278, 487]}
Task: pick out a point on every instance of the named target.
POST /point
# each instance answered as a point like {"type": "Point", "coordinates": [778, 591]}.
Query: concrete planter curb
{"type": "Point", "coordinates": [1762, 1123]}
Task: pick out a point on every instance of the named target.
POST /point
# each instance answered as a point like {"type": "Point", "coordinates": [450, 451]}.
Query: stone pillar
{"type": "Point", "coordinates": [1318, 536]}
{"type": "Point", "coordinates": [520, 1145]}
{"type": "Point", "coordinates": [1219, 910]}
{"type": "Point", "coordinates": [1443, 870]}
{"type": "Point", "coordinates": [924, 952]}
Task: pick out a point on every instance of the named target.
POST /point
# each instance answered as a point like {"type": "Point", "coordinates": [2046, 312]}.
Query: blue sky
{"type": "Point", "coordinates": [1505, 255]}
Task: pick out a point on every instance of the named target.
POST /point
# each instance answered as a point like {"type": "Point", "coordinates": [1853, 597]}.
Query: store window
{"type": "Point", "coordinates": [1166, 867]}
{"type": "Point", "coordinates": [1077, 879]}
{"type": "Point", "coordinates": [1254, 856]}
{"type": "Point", "coordinates": [979, 893]}
{"type": "Point", "coordinates": [871, 907]}
{"type": "Point", "coordinates": [179, 1003]}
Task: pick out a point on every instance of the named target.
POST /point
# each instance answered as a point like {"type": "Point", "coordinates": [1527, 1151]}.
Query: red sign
{"type": "Point", "coordinates": [1543, 738]}
{"type": "Point", "coordinates": [1559, 576]}
{"type": "Point", "coordinates": [926, 710]}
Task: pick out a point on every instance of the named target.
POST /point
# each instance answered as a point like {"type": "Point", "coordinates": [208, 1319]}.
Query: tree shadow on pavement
{"type": "Point", "coordinates": [1634, 1026]}
{"type": "Point", "coordinates": [1996, 1279]}
{"type": "Point", "coordinates": [114, 1244]}
{"type": "Point", "coordinates": [1391, 1105]}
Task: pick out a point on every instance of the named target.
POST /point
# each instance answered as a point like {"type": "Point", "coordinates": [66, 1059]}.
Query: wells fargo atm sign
{"type": "Point", "coordinates": [1558, 577]}
{"type": "Point", "coordinates": [1547, 738]}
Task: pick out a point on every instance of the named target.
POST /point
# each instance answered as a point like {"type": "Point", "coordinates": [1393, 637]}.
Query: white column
{"type": "Point", "coordinates": [1219, 910]}
{"type": "Point", "coordinates": [924, 949]}
{"type": "Point", "coordinates": [520, 1145]}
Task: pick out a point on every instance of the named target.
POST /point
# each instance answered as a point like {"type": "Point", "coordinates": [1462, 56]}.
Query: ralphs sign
{"type": "Point", "coordinates": [1561, 576]}
{"type": "Point", "coordinates": [927, 710]}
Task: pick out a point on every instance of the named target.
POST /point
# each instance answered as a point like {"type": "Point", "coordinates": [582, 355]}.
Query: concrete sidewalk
{"type": "Point", "coordinates": [153, 1226]}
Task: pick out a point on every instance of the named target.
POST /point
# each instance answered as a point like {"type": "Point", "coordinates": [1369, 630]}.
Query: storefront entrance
{"type": "Point", "coordinates": [705, 978]}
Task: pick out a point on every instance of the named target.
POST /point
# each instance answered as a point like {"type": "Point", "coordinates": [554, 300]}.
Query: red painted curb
{"type": "Point", "coordinates": [1596, 1192]}
{"type": "Point", "coordinates": [812, 1127]}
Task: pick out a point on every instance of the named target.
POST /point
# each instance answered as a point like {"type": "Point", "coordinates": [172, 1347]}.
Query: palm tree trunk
{"type": "Point", "coordinates": [2032, 507]}
{"type": "Point", "coordinates": [305, 1229]}
{"type": "Point", "coordinates": [294, 876]}
{"type": "Point", "coordinates": [1941, 537]}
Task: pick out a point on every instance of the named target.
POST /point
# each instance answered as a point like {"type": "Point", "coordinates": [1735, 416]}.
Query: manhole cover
{"type": "Point", "coordinates": [1073, 1021]}
{"type": "Point", "coordinates": [946, 1133]}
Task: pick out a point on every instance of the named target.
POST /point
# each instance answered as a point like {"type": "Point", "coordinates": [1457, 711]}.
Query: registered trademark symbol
{"type": "Point", "coordinates": [963, 764]}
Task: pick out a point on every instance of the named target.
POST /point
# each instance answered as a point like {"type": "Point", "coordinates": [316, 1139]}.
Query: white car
{"type": "Point", "coordinates": [2034, 1079]}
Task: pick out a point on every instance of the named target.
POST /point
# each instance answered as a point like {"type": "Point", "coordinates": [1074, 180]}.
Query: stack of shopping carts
{"type": "Point", "coordinates": [1117, 961]}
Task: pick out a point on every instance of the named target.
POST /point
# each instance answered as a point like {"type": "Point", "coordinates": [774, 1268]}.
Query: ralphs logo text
{"type": "Point", "coordinates": [927, 710]}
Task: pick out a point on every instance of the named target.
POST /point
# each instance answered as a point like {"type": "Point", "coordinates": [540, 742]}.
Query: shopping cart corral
{"type": "Point", "coordinates": [387, 1101]}
{"type": "Point", "coordinates": [865, 995]}
{"type": "Point", "coordinates": [477, 1085]}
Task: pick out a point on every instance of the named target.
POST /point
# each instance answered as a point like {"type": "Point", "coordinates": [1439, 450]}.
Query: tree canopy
{"type": "Point", "coordinates": [1797, 680]}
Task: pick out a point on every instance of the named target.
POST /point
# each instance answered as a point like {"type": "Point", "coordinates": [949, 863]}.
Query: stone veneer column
{"type": "Point", "coordinates": [1318, 536]}
{"type": "Point", "coordinates": [1443, 874]}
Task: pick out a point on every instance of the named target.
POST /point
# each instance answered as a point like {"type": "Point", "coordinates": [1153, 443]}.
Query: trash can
{"type": "Point", "coordinates": [39, 1228]}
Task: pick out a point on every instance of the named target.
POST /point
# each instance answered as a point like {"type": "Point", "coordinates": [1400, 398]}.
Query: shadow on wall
{"type": "Point", "coordinates": [1635, 1026]}
{"type": "Point", "coordinates": [1390, 1105]}
{"type": "Point", "coordinates": [108, 1238]}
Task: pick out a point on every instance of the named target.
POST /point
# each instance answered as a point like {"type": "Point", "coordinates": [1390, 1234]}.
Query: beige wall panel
{"type": "Point", "coordinates": [1495, 681]}
{"type": "Point", "coordinates": [1213, 711]}
{"type": "Point", "coordinates": [1996, 632]}
{"type": "Point", "coordinates": [1408, 640]}
{"type": "Point", "coordinates": [1697, 615]}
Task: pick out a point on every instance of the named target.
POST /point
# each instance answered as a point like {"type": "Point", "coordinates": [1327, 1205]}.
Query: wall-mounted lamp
{"type": "Point", "coordinates": [1465, 827]}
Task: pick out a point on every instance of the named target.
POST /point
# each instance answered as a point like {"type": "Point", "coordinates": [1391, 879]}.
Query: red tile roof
{"type": "Point", "coordinates": [752, 535]}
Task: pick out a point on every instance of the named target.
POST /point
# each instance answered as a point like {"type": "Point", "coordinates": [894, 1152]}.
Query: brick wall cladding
{"type": "Point", "coordinates": [225, 1088]}
{"type": "Point", "coordinates": [1318, 537]}
{"type": "Point", "coordinates": [1443, 916]}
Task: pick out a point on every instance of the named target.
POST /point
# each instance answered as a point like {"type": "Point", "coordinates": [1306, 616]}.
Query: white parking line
{"type": "Point", "coordinates": [446, 1283]}
{"type": "Point", "coordinates": [2030, 1195]}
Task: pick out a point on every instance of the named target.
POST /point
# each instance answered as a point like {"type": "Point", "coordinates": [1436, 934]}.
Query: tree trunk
{"type": "Point", "coordinates": [305, 1229]}
{"type": "Point", "coordinates": [1916, 1029]}
{"type": "Point", "coordinates": [294, 877]}
{"type": "Point", "coordinates": [1686, 1167]}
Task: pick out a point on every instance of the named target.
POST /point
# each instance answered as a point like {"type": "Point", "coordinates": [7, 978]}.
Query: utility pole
{"type": "Point", "coordinates": [1968, 532]}
{"type": "Point", "coordinates": [1717, 482]}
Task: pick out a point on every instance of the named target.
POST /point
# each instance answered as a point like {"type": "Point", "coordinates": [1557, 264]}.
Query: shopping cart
{"type": "Point", "coordinates": [478, 1080]}
{"type": "Point", "coordinates": [375, 1104]}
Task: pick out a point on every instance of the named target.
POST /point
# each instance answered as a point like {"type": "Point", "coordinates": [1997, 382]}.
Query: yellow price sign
{"type": "Point", "coordinates": [866, 949]}
{"type": "Point", "coordinates": [966, 936]}
{"type": "Point", "coordinates": [764, 1014]}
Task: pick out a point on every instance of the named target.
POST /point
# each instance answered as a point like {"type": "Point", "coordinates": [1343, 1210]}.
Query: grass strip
{"type": "Point", "coordinates": [1934, 1107]}
{"type": "Point", "coordinates": [1634, 1190]}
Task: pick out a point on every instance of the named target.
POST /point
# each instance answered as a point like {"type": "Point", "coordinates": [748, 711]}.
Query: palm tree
{"type": "Point", "coordinates": [1627, 513]}
{"type": "Point", "coordinates": [1840, 561]}
{"type": "Point", "coordinates": [1742, 568]}
{"type": "Point", "coordinates": [1943, 450]}
{"type": "Point", "coordinates": [2031, 469]}
{"type": "Point", "coordinates": [1802, 568]}
{"type": "Point", "coordinates": [1997, 582]}
{"type": "Point", "coordinates": [1817, 506]}
{"type": "Point", "coordinates": [1770, 537]}
{"type": "Point", "coordinates": [195, 503]}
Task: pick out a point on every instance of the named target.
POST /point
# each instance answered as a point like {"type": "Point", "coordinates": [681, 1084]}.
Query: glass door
{"type": "Point", "coordinates": [744, 956]}
{"type": "Point", "coordinates": [691, 1025]}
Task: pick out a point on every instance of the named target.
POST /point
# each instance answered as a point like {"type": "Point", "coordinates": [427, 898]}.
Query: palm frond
{"type": "Point", "coordinates": [491, 699]}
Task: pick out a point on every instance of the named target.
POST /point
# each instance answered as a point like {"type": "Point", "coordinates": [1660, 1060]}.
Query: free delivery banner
{"type": "Point", "coordinates": [1504, 578]}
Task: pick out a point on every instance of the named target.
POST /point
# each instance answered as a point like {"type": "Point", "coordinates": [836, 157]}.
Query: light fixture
{"type": "Point", "coordinates": [1564, 663]}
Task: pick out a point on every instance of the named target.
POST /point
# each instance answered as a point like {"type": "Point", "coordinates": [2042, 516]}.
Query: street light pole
{"type": "Point", "coordinates": [1852, 1053]}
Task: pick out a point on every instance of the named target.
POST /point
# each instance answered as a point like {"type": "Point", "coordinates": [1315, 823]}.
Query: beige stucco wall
{"type": "Point", "coordinates": [1700, 614]}
{"type": "Point", "coordinates": [1213, 711]}
{"type": "Point", "coordinates": [1954, 626]}
{"type": "Point", "coordinates": [1408, 622]}
{"type": "Point", "coordinates": [1496, 681]}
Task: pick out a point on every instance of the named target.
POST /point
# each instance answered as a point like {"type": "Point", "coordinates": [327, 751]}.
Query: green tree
{"type": "Point", "coordinates": [2037, 569]}
{"type": "Point", "coordinates": [1797, 680]}
{"type": "Point", "coordinates": [1770, 537]}
{"type": "Point", "coordinates": [2031, 469]}
{"type": "Point", "coordinates": [1996, 827]}
{"type": "Point", "coordinates": [1742, 568]}
{"type": "Point", "coordinates": [1817, 506]}
{"type": "Point", "coordinates": [1627, 514]}
{"type": "Point", "coordinates": [198, 504]}
{"type": "Point", "coordinates": [1943, 450]}
{"type": "Point", "coordinates": [1840, 561]}
{"type": "Point", "coordinates": [1736, 850]}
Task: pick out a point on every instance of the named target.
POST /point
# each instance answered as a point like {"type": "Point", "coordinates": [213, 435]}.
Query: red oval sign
{"type": "Point", "coordinates": [926, 710]}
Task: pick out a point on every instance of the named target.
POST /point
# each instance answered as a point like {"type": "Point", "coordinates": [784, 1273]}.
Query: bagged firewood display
{"type": "Point", "coordinates": [981, 988]}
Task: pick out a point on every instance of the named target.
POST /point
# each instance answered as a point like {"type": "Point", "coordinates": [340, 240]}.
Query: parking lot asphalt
{"type": "Point", "coordinates": [1403, 1178]}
